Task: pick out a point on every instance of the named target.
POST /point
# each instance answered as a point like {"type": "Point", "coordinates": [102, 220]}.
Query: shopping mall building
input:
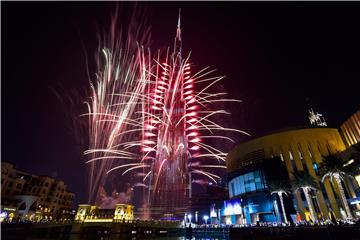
{"type": "Point", "coordinates": [276, 156]}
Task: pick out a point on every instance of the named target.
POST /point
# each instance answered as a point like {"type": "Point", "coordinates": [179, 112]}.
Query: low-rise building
{"type": "Point", "coordinates": [35, 197]}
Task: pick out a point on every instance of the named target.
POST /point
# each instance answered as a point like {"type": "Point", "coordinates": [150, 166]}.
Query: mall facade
{"type": "Point", "coordinates": [251, 166]}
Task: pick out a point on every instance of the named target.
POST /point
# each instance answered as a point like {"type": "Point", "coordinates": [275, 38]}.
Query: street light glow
{"type": "Point", "coordinates": [205, 217]}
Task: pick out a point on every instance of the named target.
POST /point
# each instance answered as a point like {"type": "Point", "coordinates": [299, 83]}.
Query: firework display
{"type": "Point", "coordinates": [177, 121]}
{"type": "Point", "coordinates": [113, 101]}
{"type": "Point", "coordinates": [151, 118]}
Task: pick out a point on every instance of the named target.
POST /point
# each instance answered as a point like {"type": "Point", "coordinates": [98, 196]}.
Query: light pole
{"type": "Point", "coordinates": [189, 216]}
{"type": "Point", "coordinates": [206, 217]}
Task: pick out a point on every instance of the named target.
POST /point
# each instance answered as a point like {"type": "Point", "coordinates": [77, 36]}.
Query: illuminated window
{"type": "Point", "coordinates": [281, 157]}
{"type": "Point", "coordinates": [316, 169]}
{"type": "Point", "coordinates": [232, 189]}
{"type": "Point", "coordinates": [249, 182]}
{"type": "Point", "coordinates": [315, 166]}
{"type": "Point", "coordinates": [310, 152]}
{"type": "Point", "coordinates": [301, 156]}
{"type": "Point", "coordinates": [293, 165]}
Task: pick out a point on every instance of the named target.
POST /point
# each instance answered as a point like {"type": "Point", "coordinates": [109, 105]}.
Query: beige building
{"type": "Point", "coordinates": [350, 129]}
{"type": "Point", "coordinates": [48, 198]}
{"type": "Point", "coordinates": [91, 213]}
{"type": "Point", "coordinates": [300, 149]}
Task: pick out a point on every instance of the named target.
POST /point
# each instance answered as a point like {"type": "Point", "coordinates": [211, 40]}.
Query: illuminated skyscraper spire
{"type": "Point", "coordinates": [316, 118]}
{"type": "Point", "coordinates": [177, 42]}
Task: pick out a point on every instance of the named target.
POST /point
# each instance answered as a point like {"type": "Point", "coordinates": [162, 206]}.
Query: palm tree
{"type": "Point", "coordinates": [336, 168]}
{"type": "Point", "coordinates": [280, 187]}
{"type": "Point", "coordinates": [303, 180]}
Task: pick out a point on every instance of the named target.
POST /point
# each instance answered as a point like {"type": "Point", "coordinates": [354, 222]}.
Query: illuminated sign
{"type": "Point", "coordinates": [10, 209]}
{"type": "Point", "coordinates": [232, 208]}
{"type": "Point", "coordinates": [354, 201]}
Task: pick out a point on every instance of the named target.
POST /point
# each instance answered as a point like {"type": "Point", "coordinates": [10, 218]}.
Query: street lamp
{"type": "Point", "coordinates": [189, 216]}
{"type": "Point", "coordinates": [206, 217]}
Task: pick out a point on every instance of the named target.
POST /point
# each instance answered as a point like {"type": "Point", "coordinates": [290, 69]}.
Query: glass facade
{"type": "Point", "coordinates": [249, 182]}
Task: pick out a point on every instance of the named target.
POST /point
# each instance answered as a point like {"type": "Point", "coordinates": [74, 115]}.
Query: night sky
{"type": "Point", "coordinates": [279, 58]}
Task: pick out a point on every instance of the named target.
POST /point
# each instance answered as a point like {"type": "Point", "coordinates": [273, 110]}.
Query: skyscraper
{"type": "Point", "coordinates": [167, 136]}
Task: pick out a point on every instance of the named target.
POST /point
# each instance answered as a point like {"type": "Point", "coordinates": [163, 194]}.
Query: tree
{"type": "Point", "coordinates": [303, 180]}
{"type": "Point", "coordinates": [354, 167]}
{"type": "Point", "coordinates": [280, 187]}
{"type": "Point", "coordinates": [336, 168]}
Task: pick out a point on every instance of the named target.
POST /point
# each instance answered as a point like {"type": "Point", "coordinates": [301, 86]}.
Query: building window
{"type": "Point", "coordinates": [249, 182]}
{"type": "Point", "coordinates": [281, 157]}
{"type": "Point", "coordinates": [46, 184]}
{"type": "Point", "coordinates": [293, 165]}
{"type": "Point", "coordinates": [316, 169]}
{"type": "Point", "coordinates": [11, 184]}
{"type": "Point", "coordinates": [232, 189]}
{"type": "Point", "coordinates": [315, 165]}
{"type": "Point", "coordinates": [18, 186]}
{"type": "Point", "coordinates": [310, 152]}
{"type": "Point", "coordinates": [301, 156]}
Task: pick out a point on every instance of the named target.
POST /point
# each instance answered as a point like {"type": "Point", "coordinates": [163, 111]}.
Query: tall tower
{"type": "Point", "coordinates": [166, 134]}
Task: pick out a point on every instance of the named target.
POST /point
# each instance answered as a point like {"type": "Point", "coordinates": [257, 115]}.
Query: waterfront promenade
{"type": "Point", "coordinates": [151, 230]}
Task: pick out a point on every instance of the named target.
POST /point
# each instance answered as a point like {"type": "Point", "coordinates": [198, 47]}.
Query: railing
{"type": "Point", "coordinates": [133, 221]}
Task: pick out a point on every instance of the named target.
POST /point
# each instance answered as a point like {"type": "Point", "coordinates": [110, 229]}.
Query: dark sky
{"type": "Point", "coordinates": [275, 56]}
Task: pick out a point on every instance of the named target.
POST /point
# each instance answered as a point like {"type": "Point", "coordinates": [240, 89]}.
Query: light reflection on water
{"type": "Point", "coordinates": [175, 238]}
{"type": "Point", "coordinates": [186, 238]}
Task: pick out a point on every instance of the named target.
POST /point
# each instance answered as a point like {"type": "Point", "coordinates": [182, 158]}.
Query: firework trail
{"type": "Point", "coordinates": [178, 112]}
{"type": "Point", "coordinates": [155, 105]}
{"type": "Point", "coordinates": [113, 101]}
